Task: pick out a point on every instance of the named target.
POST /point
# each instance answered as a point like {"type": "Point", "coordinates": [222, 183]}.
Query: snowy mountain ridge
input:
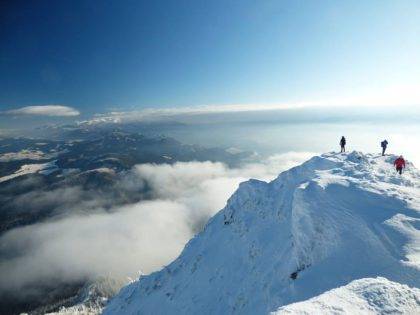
{"type": "Point", "coordinates": [365, 296]}
{"type": "Point", "coordinates": [334, 219]}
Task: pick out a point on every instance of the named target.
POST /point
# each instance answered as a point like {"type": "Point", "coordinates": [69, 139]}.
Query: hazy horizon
{"type": "Point", "coordinates": [248, 89]}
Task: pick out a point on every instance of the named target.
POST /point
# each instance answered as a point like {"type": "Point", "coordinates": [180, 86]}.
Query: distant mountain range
{"type": "Point", "coordinates": [43, 178]}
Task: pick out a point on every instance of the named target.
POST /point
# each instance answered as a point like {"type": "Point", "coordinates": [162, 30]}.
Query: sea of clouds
{"type": "Point", "coordinates": [131, 239]}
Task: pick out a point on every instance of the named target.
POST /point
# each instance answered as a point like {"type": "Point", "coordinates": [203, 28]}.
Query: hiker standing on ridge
{"type": "Point", "coordinates": [384, 144]}
{"type": "Point", "coordinates": [399, 164]}
{"type": "Point", "coordinates": [343, 144]}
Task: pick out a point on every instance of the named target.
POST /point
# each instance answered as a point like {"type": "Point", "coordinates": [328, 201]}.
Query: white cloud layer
{"type": "Point", "coordinates": [142, 236]}
{"type": "Point", "coordinates": [392, 96]}
{"type": "Point", "coordinates": [45, 110]}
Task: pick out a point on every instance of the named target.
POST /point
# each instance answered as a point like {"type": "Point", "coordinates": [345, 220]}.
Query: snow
{"type": "Point", "coordinates": [35, 155]}
{"type": "Point", "coordinates": [317, 227]}
{"type": "Point", "coordinates": [22, 155]}
{"type": "Point", "coordinates": [106, 170]}
{"type": "Point", "coordinates": [90, 300]}
{"type": "Point", "coordinates": [44, 169]}
{"type": "Point", "coordinates": [78, 309]}
{"type": "Point", "coordinates": [364, 296]}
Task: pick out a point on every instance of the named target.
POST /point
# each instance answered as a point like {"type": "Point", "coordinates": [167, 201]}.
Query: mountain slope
{"type": "Point", "coordinates": [360, 297]}
{"type": "Point", "coordinates": [318, 226]}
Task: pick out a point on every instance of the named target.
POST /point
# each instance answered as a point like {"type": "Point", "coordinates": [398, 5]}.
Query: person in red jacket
{"type": "Point", "coordinates": [399, 164]}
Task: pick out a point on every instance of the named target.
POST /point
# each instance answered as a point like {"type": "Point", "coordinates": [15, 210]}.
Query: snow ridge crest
{"type": "Point", "coordinates": [316, 227]}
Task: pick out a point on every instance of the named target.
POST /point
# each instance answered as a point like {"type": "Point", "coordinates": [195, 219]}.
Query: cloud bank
{"type": "Point", "coordinates": [45, 110]}
{"type": "Point", "coordinates": [389, 97]}
{"type": "Point", "coordinates": [142, 236]}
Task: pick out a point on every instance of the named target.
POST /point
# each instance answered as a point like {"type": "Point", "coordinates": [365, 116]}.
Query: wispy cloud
{"type": "Point", "coordinates": [390, 97]}
{"type": "Point", "coordinates": [151, 114]}
{"type": "Point", "coordinates": [44, 110]}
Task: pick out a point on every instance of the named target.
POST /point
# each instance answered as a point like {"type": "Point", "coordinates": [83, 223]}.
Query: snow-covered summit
{"type": "Point", "coordinates": [334, 219]}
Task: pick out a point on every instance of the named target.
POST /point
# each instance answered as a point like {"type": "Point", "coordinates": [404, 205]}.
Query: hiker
{"type": "Point", "coordinates": [384, 144]}
{"type": "Point", "coordinates": [399, 164]}
{"type": "Point", "coordinates": [343, 144]}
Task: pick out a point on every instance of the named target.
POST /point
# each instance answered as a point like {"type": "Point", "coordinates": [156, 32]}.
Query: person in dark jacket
{"type": "Point", "coordinates": [399, 164]}
{"type": "Point", "coordinates": [343, 144]}
{"type": "Point", "coordinates": [384, 144]}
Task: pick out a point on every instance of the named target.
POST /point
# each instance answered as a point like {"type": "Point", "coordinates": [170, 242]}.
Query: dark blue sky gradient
{"type": "Point", "coordinates": [102, 55]}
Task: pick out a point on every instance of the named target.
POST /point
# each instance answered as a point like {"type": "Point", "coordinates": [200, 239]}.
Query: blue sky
{"type": "Point", "coordinates": [97, 56]}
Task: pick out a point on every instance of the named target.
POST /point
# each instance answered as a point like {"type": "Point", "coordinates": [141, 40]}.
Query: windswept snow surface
{"type": "Point", "coordinates": [22, 155]}
{"type": "Point", "coordinates": [44, 168]}
{"type": "Point", "coordinates": [318, 226]}
{"type": "Point", "coordinates": [360, 297]}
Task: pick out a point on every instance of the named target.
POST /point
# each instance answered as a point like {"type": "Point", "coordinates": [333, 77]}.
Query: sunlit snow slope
{"type": "Point", "coordinates": [318, 226]}
{"type": "Point", "coordinates": [361, 297]}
